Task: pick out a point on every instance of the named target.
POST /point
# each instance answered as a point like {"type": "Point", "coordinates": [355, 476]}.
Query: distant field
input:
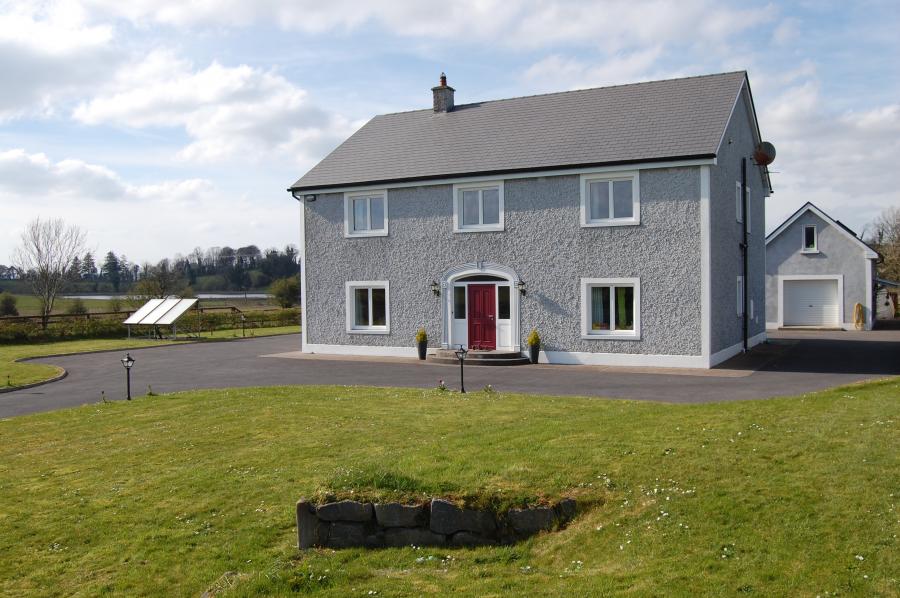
{"type": "Point", "coordinates": [29, 305]}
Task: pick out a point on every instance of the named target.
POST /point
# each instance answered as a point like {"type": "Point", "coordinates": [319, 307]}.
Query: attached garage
{"type": "Point", "coordinates": [812, 302]}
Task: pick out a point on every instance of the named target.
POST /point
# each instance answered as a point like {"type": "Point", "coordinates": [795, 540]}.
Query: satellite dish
{"type": "Point", "coordinates": [764, 154]}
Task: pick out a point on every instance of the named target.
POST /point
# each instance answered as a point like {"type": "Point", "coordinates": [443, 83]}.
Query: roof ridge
{"type": "Point", "coordinates": [568, 91]}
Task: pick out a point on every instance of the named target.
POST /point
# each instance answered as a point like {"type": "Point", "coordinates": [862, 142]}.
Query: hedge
{"type": "Point", "coordinates": [79, 328]}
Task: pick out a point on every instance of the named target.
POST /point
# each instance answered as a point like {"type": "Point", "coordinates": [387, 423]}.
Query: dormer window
{"type": "Point", "coordinates": [478, 207]}
{"type": "Point", "coordinates": [366, 214]}
{"type": "Point", "coordinates": [810, 239]}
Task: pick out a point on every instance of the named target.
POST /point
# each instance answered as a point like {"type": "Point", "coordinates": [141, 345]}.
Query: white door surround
{"type": "Point", "coordinates": [790, 314]}
{"type": "Point", "coordinates": [452, 336]}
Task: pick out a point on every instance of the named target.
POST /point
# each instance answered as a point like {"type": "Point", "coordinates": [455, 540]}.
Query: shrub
{"type": "Point", "coordinates": [421, 336]}
{"type": "Point", "coordinates": [76, 307]}
{"type": "Point", "coordinates": [8, 305]}
{"type": "Point", "coordinates": [286, 291]}
{"type": "Point", "coordinates": [533, 338]}
{"type": "Point", "coordinates": [115, 304]}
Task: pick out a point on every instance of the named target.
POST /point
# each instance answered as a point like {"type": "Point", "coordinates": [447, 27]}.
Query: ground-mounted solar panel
{"type": "Point", "coordinates": [141, 313]}
{"type": "Point", "coordinates": [162, 309]}
{"type": "Point", "coordinates": [176, 312]}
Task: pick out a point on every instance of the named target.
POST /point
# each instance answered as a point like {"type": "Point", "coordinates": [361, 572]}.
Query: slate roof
{"type": "Point", "coordinates": [657, 120]}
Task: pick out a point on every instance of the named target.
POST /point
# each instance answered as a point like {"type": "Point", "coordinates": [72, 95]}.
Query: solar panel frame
{"type": "Point", "coordinates": [142, 312]}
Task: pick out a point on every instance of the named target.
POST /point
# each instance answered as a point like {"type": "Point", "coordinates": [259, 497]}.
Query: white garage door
{"type": "Point", "coordinates": [811, 303]}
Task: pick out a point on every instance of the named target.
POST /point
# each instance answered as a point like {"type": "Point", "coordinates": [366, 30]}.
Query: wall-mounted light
{"type": "Point", "coordinates": [435, 288]}
{"type": "Point", "coordinates": [521, 286]}
{"type": "Point", "coordinates": [309, 198]}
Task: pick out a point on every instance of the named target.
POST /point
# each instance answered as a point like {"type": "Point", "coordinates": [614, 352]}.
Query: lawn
{"type": "Point", "coordinates": [20, 374]}
{"type": "Point", "coordinates": [179, 494]}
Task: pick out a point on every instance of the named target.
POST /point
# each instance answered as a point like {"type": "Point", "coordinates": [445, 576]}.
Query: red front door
{"type": "Point", "coordinates": [482, 317]}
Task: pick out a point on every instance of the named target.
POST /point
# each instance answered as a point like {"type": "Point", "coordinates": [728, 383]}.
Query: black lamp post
{"type": "Point", "coordinates": [461, 356]}
{"type": "Point", "coordinates": [128, 361]}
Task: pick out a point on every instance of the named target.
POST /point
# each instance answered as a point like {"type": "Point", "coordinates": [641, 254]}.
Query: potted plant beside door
{"type": "Point", "coordinates": [534, 345]}
{"type": "Point", "coordinates": [422, 343]}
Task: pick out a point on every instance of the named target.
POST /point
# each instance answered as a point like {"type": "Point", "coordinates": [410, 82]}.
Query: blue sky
{"type": "Point", "coordinates": [160, 125]}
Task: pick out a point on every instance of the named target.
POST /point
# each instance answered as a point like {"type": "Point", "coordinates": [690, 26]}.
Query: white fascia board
{"type": "Point", "coordinates": [518, 175]}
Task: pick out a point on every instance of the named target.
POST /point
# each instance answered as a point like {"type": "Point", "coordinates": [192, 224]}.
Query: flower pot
{"type": "Point", "coordinates": [533, 352]}
{"type": "Point", "coordinates": [422, 346]}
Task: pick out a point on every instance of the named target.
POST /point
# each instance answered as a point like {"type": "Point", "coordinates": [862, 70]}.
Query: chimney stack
{"type": "Point", "coordinates": [443, 96]}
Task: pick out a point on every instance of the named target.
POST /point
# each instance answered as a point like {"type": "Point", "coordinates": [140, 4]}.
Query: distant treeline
{"type": "Point", "coordinates": [212, 269]}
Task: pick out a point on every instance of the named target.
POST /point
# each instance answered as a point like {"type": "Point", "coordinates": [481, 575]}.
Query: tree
{"type": "Point", "coordinates": [111, 270]}
{"type": "Point", "coordinates": [76, 268]}
{"type": "Point", "coordinates": [8, 305]}
{"type": "Point", "coordinates": [45, 256]}
{"type": "Point", "coordinates": [286, 291]}
{"type": "Point", "coordinates": [885, 239]}
{"type": "Point", "coordinates": [88, 267]}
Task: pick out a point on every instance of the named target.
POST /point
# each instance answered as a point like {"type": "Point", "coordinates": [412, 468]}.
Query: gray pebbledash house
{"type": "Point", "coordinates": [611, 220]}
{"type": "Point", "coordinates": [817, 271]}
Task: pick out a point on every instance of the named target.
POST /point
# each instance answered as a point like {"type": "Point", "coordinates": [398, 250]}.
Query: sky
{"type": "Point", "coordinates": [160, 125]}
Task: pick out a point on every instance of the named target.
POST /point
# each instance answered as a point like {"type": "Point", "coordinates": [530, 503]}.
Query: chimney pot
{"type": "Point", "coordinates": [443, 96]}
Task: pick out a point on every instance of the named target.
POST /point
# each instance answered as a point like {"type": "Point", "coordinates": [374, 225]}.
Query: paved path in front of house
{"type": "Point", "coordinates": [791, 363]}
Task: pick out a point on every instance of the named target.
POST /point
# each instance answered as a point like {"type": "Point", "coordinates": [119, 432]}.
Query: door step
{"type": "Point", "coordinates": [474, 357]}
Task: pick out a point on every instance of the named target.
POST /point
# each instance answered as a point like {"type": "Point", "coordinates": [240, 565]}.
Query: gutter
{"type": "Point", "coordinates": [486, 173]}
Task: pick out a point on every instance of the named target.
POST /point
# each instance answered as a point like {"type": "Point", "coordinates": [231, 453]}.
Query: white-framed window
{"type": "Point", "coordinates": [740, 295]}
{"type": "Point", "coordinates": [611, 199]}
{"type": "Point", "coordinates": [611, 308]}
{"type": "Point", "coordinates": [810, 239]}
{"type": "Point", "coordinates": [368, 307]}
{"type": "Point", "coordinates": [478, 207]}
{"type": "Point", "coordinates": [366, 214]}
{"type": "Point", "coordinates": [738, 202]}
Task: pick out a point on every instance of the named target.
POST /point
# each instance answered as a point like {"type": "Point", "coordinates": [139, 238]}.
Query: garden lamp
{"type": "Point", "coordinates": [461, 356]}
{"type": "Point", "coordinates": [128, 362]}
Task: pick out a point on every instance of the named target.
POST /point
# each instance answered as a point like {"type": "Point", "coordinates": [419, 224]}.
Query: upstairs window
{"type": "Point", "coordinates": [610, 308]}
{"type": "Point", "coordinates": [366, 214]}
{"type": "Point", "coordinates": [610, 199]}
{"type": "Point", "coordinates": [738, 202]}
{"type": "Point", "coordinates": [368, 311]}
{"type": "Point", "coordinates": [810, 239]}
{"type": "Point", "coordinates": [478, 207]}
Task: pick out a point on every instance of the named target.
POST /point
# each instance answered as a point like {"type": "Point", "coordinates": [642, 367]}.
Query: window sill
{"type": "Point", "coordinates": [613, 336]}
{"type": "Point", "coordinates": [809, 251]}
{"type": "Point", "coordinates": [613, 222]}
{"type": "Point", "coordinates": [479, 229]}
{"type": "Point", "coordinates": [362, 235]}
{"type": "Point", "coordinates": [368, 331]}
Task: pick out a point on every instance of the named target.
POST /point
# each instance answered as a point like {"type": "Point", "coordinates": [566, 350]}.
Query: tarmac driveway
{"type": "Point", "coordinates": [790, 363]}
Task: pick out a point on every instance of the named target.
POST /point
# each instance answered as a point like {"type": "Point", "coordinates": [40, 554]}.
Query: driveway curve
{"type": "Point", "coordinates": [791, 363]}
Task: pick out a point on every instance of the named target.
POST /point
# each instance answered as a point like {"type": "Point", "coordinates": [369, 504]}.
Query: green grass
{"type": "Point", "coordinates": [177, 494]}
{"type": "Point", "coordinates": [19, 374]}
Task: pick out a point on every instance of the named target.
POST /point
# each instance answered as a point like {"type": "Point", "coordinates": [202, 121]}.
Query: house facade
{"type": "Point", "coordinates": [817, 272]}
{"type": "Point", "coordinates": [610, 220]}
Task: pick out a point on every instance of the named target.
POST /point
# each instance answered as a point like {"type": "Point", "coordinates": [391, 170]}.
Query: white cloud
{"type": "Point", "coordinates": [226, 111]}
{"type": "Point", "coordinates": [48, 53]}
{"type": "Point", "coordinates": [557, 72]}
{"type": "Point", "coordinates": [609, 24]}
{"type": "Point", "coordinates": [27, 177]}
{"type": "Point", "coordinates": [844, 162]}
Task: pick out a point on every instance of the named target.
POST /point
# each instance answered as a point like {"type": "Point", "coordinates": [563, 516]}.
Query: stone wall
{"type": "Point", "coordinates": [440, 522]}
